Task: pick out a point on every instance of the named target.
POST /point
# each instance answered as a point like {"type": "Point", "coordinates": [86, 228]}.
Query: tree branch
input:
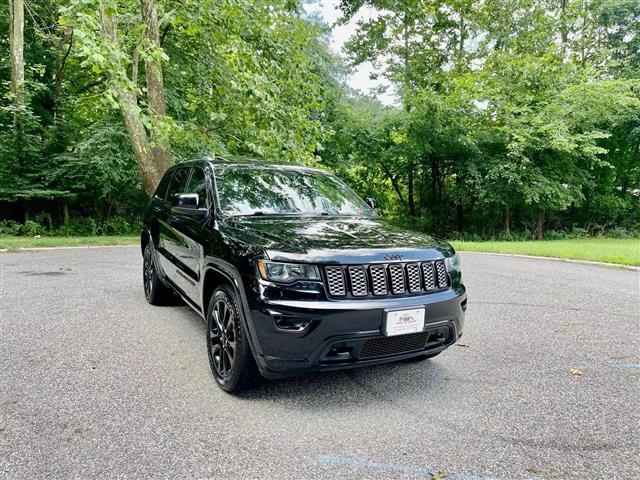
{"type": "Point", "coordinates": [66, 55]}
{"type": "Point", "coordinates": [165, 31]}
{"type": "Point", "coordinates": [394, 182]}
{"type": "Point", "coordinates": [134, 67]}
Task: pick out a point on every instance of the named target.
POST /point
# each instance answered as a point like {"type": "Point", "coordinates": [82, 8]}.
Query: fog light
{"type": "Point", "coordinates": [291, 323]}
{"type": "Point", "coordinates": [342, 353]}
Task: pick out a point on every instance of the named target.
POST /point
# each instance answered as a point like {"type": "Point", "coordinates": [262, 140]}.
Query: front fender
{"type": "Point", "coordinates": [232, 275]}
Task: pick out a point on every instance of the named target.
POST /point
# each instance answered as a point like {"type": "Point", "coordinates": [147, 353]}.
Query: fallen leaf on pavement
{"type": "Point", "coordinates": [576, 372]}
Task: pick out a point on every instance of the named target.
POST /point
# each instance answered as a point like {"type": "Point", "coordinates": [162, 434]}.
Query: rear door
{"type": "Point", "coordinates": [159, 214]}
{"type": "Point", "coordinates": [170, 242]}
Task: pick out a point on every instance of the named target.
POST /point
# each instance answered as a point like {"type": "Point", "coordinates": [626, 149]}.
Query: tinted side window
{"type": "Point", "coordinates": [196, 185]}
{"type": "Point", "coordinates": [178, 183]}
{"type": "Point", "coordinates": [161, 191]}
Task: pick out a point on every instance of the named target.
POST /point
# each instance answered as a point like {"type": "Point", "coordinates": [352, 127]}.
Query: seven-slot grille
{"type": "Point", "coordinates": [391, 279]}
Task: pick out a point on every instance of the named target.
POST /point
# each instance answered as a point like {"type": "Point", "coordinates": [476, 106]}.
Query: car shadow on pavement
{"type": "Point", "coordinates": [363, 386]}
{"type": "Point", "coordinates": [355, 387]}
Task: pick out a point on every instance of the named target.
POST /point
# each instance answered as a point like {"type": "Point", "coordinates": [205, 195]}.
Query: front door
{"type": "Point", "coordinates": [171, 242]}
{"type": "Point", "coordinates": [189, 226]}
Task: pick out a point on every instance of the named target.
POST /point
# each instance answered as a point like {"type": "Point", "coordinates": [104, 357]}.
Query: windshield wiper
{"type": "Point", "coordinates": [260, 213]}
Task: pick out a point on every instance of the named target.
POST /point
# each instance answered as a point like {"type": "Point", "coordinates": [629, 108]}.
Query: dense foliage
{"type": "Point", "coordinates": [516, 113]}
{"type": "Point", "coordinates": [516, 117]}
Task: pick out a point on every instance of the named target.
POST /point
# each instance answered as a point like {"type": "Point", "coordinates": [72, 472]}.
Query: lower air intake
{"type": "Point", "coordinates": [381, 346]}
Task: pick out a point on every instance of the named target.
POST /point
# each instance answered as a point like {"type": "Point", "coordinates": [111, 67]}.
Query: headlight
{"type": "Point", "coordinates": [287, 272]}
{"type": "Point", "coordinates": [453, 263]}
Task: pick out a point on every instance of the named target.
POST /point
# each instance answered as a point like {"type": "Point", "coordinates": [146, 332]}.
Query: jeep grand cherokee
{"type": "Point", "coordinates": [293, 272]}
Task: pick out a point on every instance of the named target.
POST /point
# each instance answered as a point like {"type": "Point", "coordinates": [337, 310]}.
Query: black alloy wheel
{"type": "Point", "coordinates": [156, 292]}
{"type": "Point", "coordinates": [230, 358]}
{"type": "Point", "coordinates": [148, 270]}
{"type": "Point", "coordinates": [223, 337]}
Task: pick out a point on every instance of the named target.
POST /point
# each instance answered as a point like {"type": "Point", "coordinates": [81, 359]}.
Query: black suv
{"type": "Point", "coordinates": [293, 272]}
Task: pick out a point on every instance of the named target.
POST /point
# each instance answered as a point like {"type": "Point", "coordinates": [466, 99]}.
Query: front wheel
{"type": "Point", "coordinates": [230, 357]}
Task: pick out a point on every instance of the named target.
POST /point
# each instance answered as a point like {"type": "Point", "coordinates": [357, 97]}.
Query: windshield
{"type": "Point", "coordinates": [284, 191]}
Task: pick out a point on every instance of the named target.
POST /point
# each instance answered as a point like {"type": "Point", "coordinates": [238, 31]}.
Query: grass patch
{"type": "Point", "coordinates": [611, 250]}
{"type": "Point", "coordinates": [11, 242]}
{"type": "Point", "coordinates": [620, 251]}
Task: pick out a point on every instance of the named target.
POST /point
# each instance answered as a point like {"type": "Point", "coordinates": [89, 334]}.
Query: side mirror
{"type": "Point", "coordinates": [186, 200]}
{"type": "Point", "coordinates": [371, 202]}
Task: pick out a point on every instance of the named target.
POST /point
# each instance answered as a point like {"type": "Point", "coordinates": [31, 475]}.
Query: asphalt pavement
{"type": "Point", "coordinates": [96, 383]}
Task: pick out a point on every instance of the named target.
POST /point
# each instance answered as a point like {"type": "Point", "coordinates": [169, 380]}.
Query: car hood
{"type": "Point", "coordinates": [335, 239]}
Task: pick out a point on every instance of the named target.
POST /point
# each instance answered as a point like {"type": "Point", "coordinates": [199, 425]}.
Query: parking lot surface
{"type": "Point", "coordinates": [96, 383]}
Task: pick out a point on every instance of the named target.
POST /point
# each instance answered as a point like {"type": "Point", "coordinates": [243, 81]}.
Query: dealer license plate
{"type": "Point", "coordinates": [401, 322]}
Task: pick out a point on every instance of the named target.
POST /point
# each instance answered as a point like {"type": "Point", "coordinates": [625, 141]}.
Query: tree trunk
{"type": "Point", "coordinates": [564, 34]}
{"type": "Point", "coordinates": [460, 53]}
{"type": "Point", "coordinates": [405, 34]}
{"type": "Point", "coordinates": [460, 215]}
{"type": "Point", "coordinates": [435, 173]}
{"type": "Point", "coordinates": [423, 188]}
{"type": "Point", "coordinates": [65, 213]}
{"type": "Point", "coordinates": [150, 174]}
{"type": "Point", "coordinates": [128, 103]}
{"type": "Point", "coordinates": [506, 221]}
{"type": "Point", "coordinates": [16, 46]}
{"type": "Point", "coordinates": [540, 225]}
{"type": "Point", "coordinates": [459, 207]}
{"type": "Point", "coordinates": [155, 84]}
{"type": "Point", "coordinates": [67, 35]}
{"type": "Point", "coordinates": [410, 190]}
{"type": "Point", "coordinates": [106, 212]}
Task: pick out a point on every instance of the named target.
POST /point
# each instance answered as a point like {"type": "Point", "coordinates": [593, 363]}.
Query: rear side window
{"type": "Point", "coordinates": [197, 185]}
{"type": "Point", "coordinates": [161, 191]}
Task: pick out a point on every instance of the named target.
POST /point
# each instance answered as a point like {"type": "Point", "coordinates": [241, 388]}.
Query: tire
{"type": "Point", "coordinates": [155, 290]}
{"type": "Point", "coordinates": [230, 358]}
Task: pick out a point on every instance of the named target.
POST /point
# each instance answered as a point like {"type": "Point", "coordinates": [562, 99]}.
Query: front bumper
{"type": "Point", "coordinates": [348, 333]}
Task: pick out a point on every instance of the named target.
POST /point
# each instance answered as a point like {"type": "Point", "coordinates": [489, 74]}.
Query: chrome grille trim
{"type": "Point", "coordinates": [396, 273]}
{"type": "Point", "coordinates": [413, 276]}
{"type": "Point", "coordinates": [397, 279]}
{"type": "Point", "coordinates": [358, 278]}
{"type": "Point", "coordinates": [378, 279]}
{"type": "Point", "coordinates": [335, 281]}
{"type": "Point", "coordinates": [428, 276]}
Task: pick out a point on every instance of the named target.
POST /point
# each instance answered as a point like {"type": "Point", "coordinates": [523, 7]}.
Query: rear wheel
{"type": "Point", "coordinates": [156, 292]}
{"type": "Point", "coordinates": [230, 357]}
